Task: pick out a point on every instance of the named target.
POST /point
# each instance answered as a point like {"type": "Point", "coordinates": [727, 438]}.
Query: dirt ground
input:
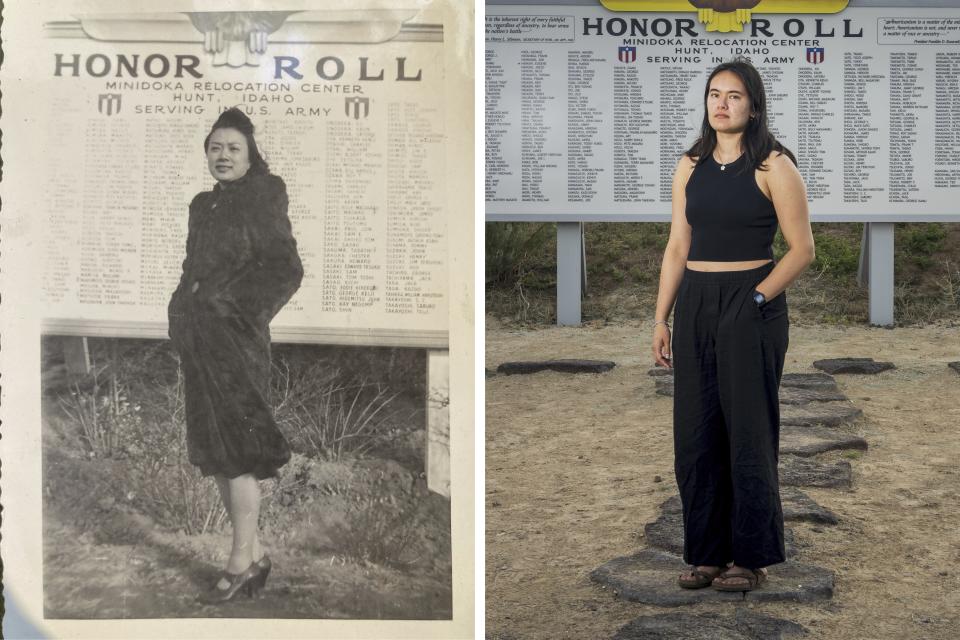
{"type": "Point", "coordinates": [122, 565]}
{"type": "Point", "coordinates": [571, 462]}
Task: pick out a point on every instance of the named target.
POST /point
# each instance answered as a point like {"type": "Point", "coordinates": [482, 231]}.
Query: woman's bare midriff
{"type": "Point", "coordinates": [702, 265]}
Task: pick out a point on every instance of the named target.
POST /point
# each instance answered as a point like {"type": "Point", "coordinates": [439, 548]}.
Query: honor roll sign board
{"type": "Point", "coordinates": [349, 110]}
{"type": "Point", "coordinates": [588, 110]}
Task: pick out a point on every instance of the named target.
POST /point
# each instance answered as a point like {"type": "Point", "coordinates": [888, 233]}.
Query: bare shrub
{"type": "Point", "coordinates": [101, 411]}
{"type": "Point", "coordinates": [949, 284]}
{"type": "Point", "coordinates": [378, 531]}
{"type": "Point", "coordinates": [164, 483]}
{"type": "Point", "coordinates": [329, 418]}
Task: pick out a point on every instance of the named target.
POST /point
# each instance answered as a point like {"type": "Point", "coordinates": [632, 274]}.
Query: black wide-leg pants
{"type": "Point", "coordinates": [728, 357]}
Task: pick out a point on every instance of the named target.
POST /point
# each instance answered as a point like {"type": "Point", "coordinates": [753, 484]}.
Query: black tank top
{"type": "Point", "coordinates": [731, 218]}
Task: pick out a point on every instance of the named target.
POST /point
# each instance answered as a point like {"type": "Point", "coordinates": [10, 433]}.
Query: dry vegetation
{"type": "Point", "coordinates": [349, 519]}
{"type": "Point", "coordinates": [623, 270]}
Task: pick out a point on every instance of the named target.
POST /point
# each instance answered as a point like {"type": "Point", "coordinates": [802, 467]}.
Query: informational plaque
{"type": "Point", "coordinates": [589, 110]}
{"type": "Point", "coordinates": [349, 109]}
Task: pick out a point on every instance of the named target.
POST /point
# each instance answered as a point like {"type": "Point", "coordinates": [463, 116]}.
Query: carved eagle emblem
{"type": "Point", "coordinates": [237, 38]}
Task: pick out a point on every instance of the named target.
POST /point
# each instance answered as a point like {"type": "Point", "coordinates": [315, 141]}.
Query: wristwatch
{"type": "Point", "coordinates": [759, 298]}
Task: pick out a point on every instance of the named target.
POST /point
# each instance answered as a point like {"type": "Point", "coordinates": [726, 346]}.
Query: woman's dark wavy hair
{"type": "Point", "coordinates": [757, 141]}
{"type": "Point", "coordinates": [234, 118]}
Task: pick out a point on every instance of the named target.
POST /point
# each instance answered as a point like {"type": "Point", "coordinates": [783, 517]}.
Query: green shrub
{"type": "Point", "coordinates": [835, 255]}
{"type": "Point", "coordinates": [513, 249]}
{"type": "Point", "coordinates": [921, 239]}
{"type": "Point", "coordinates": [780, 246]}
{"type": "Point", "coordinates": [918, 242]}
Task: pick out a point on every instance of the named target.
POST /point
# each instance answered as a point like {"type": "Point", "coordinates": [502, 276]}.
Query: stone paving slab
{"type": "Point", "coordinates": [809, 441]}
{"type": "Point", "coordinates": [563, 365]}
{"type": "Point", "coordinates": [808, 381]}
{"type": "Point", "coordinates": [666, 532]}
{"type": "Point", "coordinates": [743, 625]}
{"type": "Point", "coordinates": [798, 506]}
{"type": "Point", "coordinates": [852, 365]}
{"type": "Point", "coordinates": [650, 577]}
{"type": "Point", "coordinates": [664, 385]}
{"type": "Point", "coordinates": [808, 472]}
{"type": "Point", "coordinates": [828, 414]}
{"type": "Point", "coordinates": [803, 395]}
{"type": "Point", "coordinates": [764, 627]}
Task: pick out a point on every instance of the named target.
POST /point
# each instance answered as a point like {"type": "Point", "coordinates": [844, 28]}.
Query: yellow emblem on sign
{"type": "Point", "coordinates": [728, 15]}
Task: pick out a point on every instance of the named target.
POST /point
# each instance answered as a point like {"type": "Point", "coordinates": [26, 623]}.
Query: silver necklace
{"type": "Point", "coordinates": [723, 165]}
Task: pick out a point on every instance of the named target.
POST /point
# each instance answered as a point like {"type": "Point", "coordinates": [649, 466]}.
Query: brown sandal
{"type": "Point", "coordinates": [701, 578]}
{"type": "Point", "coordinates": [754, 578]}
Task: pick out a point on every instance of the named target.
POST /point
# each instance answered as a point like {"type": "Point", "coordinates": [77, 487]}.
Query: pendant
{"type": "Point", "coordinates": [723, 167]}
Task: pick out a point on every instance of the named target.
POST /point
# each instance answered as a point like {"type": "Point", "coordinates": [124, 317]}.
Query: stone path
{"type": "Point", "coordinates": [815, 417]}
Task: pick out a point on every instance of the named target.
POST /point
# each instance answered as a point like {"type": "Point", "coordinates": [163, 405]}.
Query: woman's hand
{"type": "Point", "coordinates": [661, 346]}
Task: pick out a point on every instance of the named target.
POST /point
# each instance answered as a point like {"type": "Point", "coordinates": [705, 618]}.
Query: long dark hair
{"type": "Point", "coordinates": [233, 118]}
{"type": "Point", "coordinates": [757, 140]}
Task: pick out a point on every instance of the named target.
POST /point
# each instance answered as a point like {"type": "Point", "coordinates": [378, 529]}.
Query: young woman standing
{"type": "Point", "coordinates": [731, 329]}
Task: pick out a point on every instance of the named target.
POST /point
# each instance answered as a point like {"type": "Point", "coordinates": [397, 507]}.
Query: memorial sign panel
{"type": "Point", "coordinates": [588, 110]}
{"type": "Point", "coordinates": [350, 111]}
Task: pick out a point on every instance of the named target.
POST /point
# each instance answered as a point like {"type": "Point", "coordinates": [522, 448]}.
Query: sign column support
{"type": "Point", "coordinates": [570, 272]}
{"type": "Point", "coordinates": [438, 421]}
{"type": "Point", "coordinates": [876, 270]}
{"type": "Point", "coordinates": [76, 354]}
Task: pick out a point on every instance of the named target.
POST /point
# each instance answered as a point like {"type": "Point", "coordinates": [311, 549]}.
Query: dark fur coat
{"type": "Point", "coordinates": [241, 267]}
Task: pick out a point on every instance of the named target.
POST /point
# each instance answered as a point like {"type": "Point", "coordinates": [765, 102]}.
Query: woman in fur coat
{"type": "Point", "coordinates": [241, 268]}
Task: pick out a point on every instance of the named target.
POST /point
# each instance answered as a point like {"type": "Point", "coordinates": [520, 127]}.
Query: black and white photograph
{"type": "Point", "coordinates": [236, 244]}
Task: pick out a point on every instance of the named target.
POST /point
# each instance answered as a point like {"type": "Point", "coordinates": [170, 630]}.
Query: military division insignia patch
{"type": "Point", "coordinates": [727, 15]}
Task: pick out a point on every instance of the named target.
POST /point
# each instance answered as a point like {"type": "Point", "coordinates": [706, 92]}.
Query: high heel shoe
{"type": "Point", "coordinates": [265, 566]}
{"type": "Point", "coordinates": [248, 582]}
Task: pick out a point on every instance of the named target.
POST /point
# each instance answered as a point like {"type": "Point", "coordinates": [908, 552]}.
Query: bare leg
{"type": "Point", "coordinates": [244, 513]}
{"type": "Point", "coordinates": [255, 546]}
{"type": "Point", "coordinates": [224, 486]}
{"type": "Point", "coordinates": [241, 497]}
